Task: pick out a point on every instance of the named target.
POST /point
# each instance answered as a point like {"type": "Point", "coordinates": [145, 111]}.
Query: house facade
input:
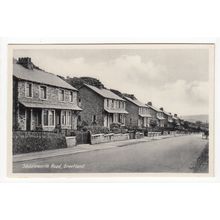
{"type": "Point", "coordinates": [157, 115]}
{"type": "Point", "coordinates": [42, 100]}
{"type": "Point", "coordinates": [168, 119]}
{"type": "Point", "coordinates": [101, 106]}
{"type": "Point", "coordinates": [176, 119]}
{"type": "Point", "coordinates": [138, 113]}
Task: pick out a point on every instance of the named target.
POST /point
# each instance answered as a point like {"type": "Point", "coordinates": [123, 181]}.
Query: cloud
{"type": "Point", "coordinates": [164, 83]}
{"type": "Point", "coordinates": [184, 97]}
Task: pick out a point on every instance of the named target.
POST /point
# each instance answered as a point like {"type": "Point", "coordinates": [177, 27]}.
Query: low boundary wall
{"type": "Point", "coordinates": [71, 141]}
{"type": "Point", "coordinates": [104, 138]}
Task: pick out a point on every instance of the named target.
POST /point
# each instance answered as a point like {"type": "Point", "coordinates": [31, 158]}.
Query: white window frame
{"type": "Point", "coordinates": [59, 95]}
{"type": "Point", "coordinates": [40, 92]}
{"type": "Point", "coordinates": [48, 118]}
{"type": "Point", "coordinates": [25, 90]}
{"type": "Point", "coordinates": [68, 118]}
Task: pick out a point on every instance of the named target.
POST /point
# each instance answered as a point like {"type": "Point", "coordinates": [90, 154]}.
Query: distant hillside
{"type": "Point", "coordinates": [194, 118]}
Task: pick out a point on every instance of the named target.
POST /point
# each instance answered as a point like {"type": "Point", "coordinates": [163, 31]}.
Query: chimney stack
{"type": "Point", "coordinates": [26, 62]}
{"type": "Point", "coordinates": [161, 108]}
{"type": "Point", "coordinates": [175, 115]}
{"type": "Point", "coordinates": [149, 103]}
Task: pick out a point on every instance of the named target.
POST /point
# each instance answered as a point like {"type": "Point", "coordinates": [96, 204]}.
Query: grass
{"type": "Point", "coordinates": [202, 162]}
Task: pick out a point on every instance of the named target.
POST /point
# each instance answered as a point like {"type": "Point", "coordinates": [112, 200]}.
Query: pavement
{"type": "Point", "coordinates": [164, 155]}
{"type": "Point", "coordinates": [84, 148]}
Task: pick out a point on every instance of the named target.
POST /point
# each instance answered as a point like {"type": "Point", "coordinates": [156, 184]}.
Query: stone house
{"type": "Point", "coordinates": [168, 120]}
{"type": "Point", "coordinates": [42, 100]}
{"type": "Point", "coordinates": [101, 106]}
{"type": "Point", "coordinates": [156, 114]}
{"type": "Point", "coordinates": [176, 119]}
{"type": "Point", "coordinates": [138, 113]}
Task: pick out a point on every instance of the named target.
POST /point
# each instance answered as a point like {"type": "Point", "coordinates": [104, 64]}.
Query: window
{"type": "Point", "coordinates": [107, 103]}
{"type": "Point", "coordinates": [63, 118]}
{"type": "Point", "coordinates": [66, 117]}
{"type": "Point", "coordinates": [112, 104]}
{"type": "Point", "coordinates": [80, 102]}
{"type": "Point", "coordinates": [51, 117]}
{"type": "Point", "coordinates": [79, 118]}
{"type": "Point", "coordinates": [94, 118]}
{"type": "Point", "coordinates": [123, 105]}
{"type": "Point", "coordinates": [45, 117]}
{"type": "Point", "coordinates": [71, 96]}
{"type": "Point", "coordinates": [48, 117]}
{"type": "Point", "coordinates": [28, 90]}
{"type": "Point", "coordinates": [43, 92]}
{"type": "Point", "coordinates": [61, 95]}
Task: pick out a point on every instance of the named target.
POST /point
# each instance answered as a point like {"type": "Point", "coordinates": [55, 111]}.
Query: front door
{"type": "Point", "coordinates": [28, 119]}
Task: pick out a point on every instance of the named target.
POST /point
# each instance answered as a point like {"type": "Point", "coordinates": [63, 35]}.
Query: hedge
{"type": "Point", "coordinates": [25, 142]}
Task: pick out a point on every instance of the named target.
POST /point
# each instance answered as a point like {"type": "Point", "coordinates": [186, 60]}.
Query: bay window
{"type": "Point", "coordinates": [66, 117]}
{"type": "Point", "coordinates": [48, 117]}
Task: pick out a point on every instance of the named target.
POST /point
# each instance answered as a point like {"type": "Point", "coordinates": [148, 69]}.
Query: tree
{"type": "Point", "coordinates": [78, 82]}
{"type": "Point", "coordinates": [174, 124]}
{"type": "Point", "coordinates": [117, 92]}
{"type": "Point", "coordinates": [186, 125]}
{"type": "Point", "coordinates": [153, 123]}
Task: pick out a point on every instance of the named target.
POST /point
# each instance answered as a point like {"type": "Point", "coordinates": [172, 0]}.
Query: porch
{"type": "Point", "coordinates": [110, 118]}
{"type": "Point", "coordinates": [49, 119]}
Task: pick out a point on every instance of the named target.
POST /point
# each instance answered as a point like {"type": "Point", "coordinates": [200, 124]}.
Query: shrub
{"type": "Point", "coordinates": [115, 125]}
{"type": "Point", "coordinates": [96, 129]}
{"type": "Point", "coordinates": [25, 142]}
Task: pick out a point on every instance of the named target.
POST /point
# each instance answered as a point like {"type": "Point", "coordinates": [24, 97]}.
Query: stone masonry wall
{"type": "Point", "coordinates": [131, 119]}
{"type": "Point", "coordinates": [92, 104]}
{"type": "Point", "coordinates": [52, 93]}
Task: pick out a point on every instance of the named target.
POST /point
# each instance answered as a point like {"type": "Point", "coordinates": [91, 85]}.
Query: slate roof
{"type": "Point", "coordinates": [160, 118]}
{"type": "Point", "coordinates": [136, 102]}
{"type": "Point", "coordinates": [154, 108]}
{"type": "Point", "coordinates": [45, 104]}
{"type": "Point", "coordinates": [104, 93]}
{"type": "Point", "coordinates": [166, 113]}
{"type": "Point", "coordinates": [39, 76]}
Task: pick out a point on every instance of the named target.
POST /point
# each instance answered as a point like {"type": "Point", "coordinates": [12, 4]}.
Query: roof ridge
{"type": "Point", "coordinates": [40, 76]}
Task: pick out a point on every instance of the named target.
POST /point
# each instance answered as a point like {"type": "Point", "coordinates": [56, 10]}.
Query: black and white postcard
{"type": "Point", "coordinates": [111, 109]}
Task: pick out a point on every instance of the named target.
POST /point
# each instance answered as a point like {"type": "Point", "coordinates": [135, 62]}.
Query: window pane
{"type": "Point", "coordinates": [45, 117]}
{"type": "Point", "coordinates": [51, 118]}
{"type": "Point", "coordinates": [71, 96]}
{"type": "Point", "coordinates": [62, 95]}
{"type": "Point", "coordinates": [63, 116]}
{"type": "Point", "coordinates": [29, 90]}
{"type": "Point", "coordinates": [69, 118]}
{"type": "Point", "coordinates": [43, 93]}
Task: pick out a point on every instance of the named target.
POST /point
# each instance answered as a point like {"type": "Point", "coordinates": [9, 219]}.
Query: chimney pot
{"type": "Point", "coordinates": [149, 103]}
{"type": "Point", "coordinates": [25, 62]}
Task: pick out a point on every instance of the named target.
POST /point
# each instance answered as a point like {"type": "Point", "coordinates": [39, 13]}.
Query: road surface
{"type": "Point", "coordinates": [173, 155]}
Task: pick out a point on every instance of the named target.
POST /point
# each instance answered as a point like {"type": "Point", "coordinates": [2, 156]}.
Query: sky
{"type": "Point", "coordinates": [175, 79]}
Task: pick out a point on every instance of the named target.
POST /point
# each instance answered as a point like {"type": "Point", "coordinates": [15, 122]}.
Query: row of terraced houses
{"type": "Point", "coordinates": [43, 100]}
